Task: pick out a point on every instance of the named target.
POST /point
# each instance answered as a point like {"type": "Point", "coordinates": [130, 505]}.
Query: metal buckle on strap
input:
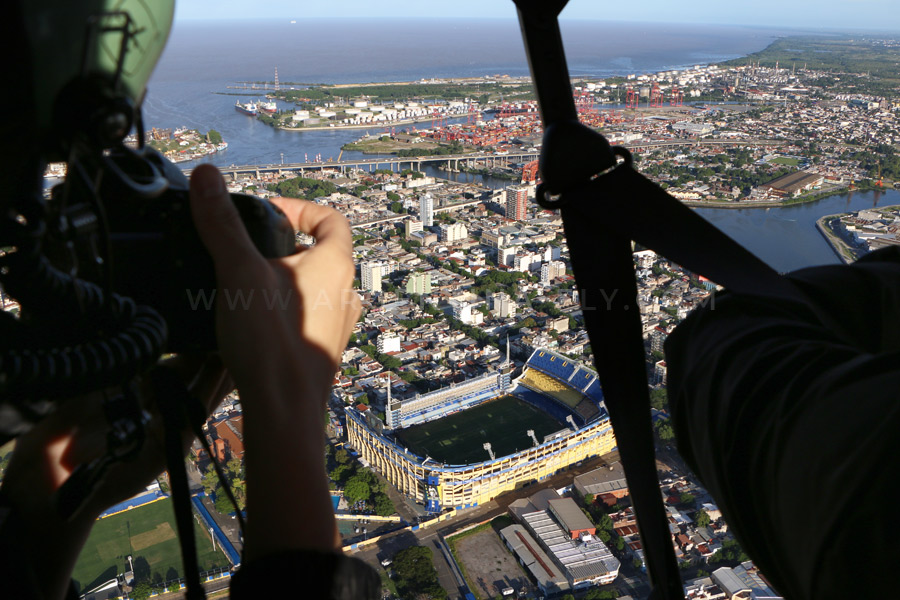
{"type": "Point", "coordinates": [546, 199]}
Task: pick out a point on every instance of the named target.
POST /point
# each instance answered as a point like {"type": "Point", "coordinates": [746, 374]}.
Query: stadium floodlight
{"type": "Point", "coordinates": [571, 421]}
{"type": "Point", "coordinates": [533, 437]}
{"type": "Point", "coordinates": [487, 446]}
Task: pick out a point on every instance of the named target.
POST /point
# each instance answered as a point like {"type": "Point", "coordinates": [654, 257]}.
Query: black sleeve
{"type": "Point", "coordinates": [793, 425]}
{"type": "Point", "coordinates": [307, 574]}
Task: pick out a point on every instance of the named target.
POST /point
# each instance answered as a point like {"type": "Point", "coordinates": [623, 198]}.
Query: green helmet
{"type": "Point", "coordinates": [113, 44]}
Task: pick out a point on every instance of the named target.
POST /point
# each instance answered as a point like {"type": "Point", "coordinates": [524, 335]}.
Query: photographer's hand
{"type": "Point", "coordinates": [282, 345]}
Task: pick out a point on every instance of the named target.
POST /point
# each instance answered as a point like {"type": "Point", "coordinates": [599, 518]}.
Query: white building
{"type": "Point", "coordinates": [453, 232]}
{"type": "Point", "coordinates": [370, 274]}
{"type": "Point", "coordinates": [502, 305]}
{"type": "Point", "coordinates": [412, 226]}
{"type": "Point", "coordinates": [388, 342]}
{"type": "Point", "coordinates": [551, 253]}
{"type": "Point", "coordinates": [426, 210]}
{"type": "Point", "coordinates": [462, 310]}
{"type": "Point", "coordinates": [551, 271]}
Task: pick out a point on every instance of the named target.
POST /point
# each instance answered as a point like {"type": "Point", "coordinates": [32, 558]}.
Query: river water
{"type": "Point", "coordinates": [202, 59]}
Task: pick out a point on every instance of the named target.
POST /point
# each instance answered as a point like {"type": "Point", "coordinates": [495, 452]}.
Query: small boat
{"type": "Point", "coordinates": [247, 108]}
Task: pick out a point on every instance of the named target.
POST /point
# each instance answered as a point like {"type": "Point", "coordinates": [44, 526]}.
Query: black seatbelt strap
{"type": "Point", "coordinates": [603, 265]}
{"type": "Point", "coordinates": [173, 399]}
{"type": "Point", "coordinates": [604, 205]}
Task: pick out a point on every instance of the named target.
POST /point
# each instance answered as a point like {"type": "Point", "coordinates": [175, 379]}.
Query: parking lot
{"type": "Point", "coordinates": [489, 566]}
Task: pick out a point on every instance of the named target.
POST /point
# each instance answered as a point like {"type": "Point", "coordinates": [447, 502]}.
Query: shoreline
{"type": "Point", "coordinates": [366, 126]}
{"type": "Point", "coordinates": [837, 245]}
{"type": "Point", "coordinates": [845, 252]}
{"type": "Point", "coordinates": [768, 203]}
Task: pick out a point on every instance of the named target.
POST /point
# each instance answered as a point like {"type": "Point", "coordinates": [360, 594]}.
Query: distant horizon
{"type": "Point", "coordinates": [792, 29]}
{"type": "Point", "coordinates": [876, 16]}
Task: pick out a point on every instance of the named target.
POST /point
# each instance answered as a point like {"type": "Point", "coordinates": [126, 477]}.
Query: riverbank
{"type": "Point", "coordinates": [844, 252]}
{"type": "Point", "coordinates": [806, 199]}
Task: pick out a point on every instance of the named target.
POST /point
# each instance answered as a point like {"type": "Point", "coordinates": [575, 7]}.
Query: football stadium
{"type": "Point", "coordinates": [464, 445]}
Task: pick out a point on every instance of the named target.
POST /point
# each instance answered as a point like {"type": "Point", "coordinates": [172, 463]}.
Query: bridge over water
{"type": "Point", "coordinates": [453, 162]}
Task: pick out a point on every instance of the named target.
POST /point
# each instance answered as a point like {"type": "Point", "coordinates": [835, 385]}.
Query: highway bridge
{"type": "Point", "coordinates": [453, 162]}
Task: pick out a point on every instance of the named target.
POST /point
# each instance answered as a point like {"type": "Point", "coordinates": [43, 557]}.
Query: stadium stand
{"type": "Point", "coordinates": [587, 410]}
{"type": "Point", "coordinates": [540, 401]}
{"type": "Point", "coordinates": [555, 377]}
{"type": "Point", "coordinates": [553, 364]}
{"type": "Point", "coordinates": [540, 382]}
{"type": "Point", "coordinates": [434, 405]}
{"type": "Point", "coordinates": [594, 391]}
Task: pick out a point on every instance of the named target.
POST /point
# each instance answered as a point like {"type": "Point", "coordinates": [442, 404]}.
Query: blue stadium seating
{"type": "Point", "coordinates": [594, 391]}
{"type": "Point", "coordinates": [553, 364]}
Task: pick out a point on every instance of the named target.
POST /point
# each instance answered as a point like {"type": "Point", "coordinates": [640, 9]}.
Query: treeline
{"type": "Point", "coordinates": [453, 148]}
{"type": "Point", "coordinates": [303, 187]}
{"type": "Point", "coordinates": [359, 485]}
{"type": "Point", "coordinates": [437, 91]}
{"type": "Point", "coordinates": [879, 159]}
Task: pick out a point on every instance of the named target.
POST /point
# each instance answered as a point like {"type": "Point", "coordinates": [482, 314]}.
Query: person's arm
{"type": "Point", "coordinates": [282, 349]}
{"type": "Point", "coordinates": [790, 422]}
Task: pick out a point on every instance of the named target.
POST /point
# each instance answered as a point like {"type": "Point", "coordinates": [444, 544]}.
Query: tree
{"type": "Point", "coordinates": [356, 489]}
{"type": "Point", "coordinates": [214, 137]}
{"type": "Point", "coordinates": [659, 398]}
{"type": "Point", "coordinates": [416, 574]}
{"type": "Point", "coordinates": [342, 457]}
{"type": "Point", "coordinates": [383, 505]}
{"type": "Point", "coordinates": [141, 591]}
{"type": "Point", "coordinates": [605, 523]}
{"type": "Point", "coordinates": [665, 431]}
{"type": "Point", "coordinates": [596, 593]}
{"type": "Point", "coordinates": [702, 518]}
{"type": "Point", "coordinates": [589, 499]}
{"type": "Point", "coordinates": [223, 504]}
{"type": "Point", "coordinates": [686, 498]}
{"type": "Point", "coordinates": [341, 472]}
{"type": "Point", "coordinates": [210, 480]}
{"type": "Point", "coordinates": [390, 362]}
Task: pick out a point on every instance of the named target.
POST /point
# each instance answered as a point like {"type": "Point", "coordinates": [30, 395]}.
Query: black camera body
{"type": "Point", "coordinates": [157, 256]}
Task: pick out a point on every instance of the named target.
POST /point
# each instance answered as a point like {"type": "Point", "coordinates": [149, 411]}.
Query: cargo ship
{"type": "Point", "coordinates": [270, 108]}
{"type": "Point", "coordinates": [248, 108]}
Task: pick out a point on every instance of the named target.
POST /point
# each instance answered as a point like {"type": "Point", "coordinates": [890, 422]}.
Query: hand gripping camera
{"type": "Point", "coordinates": [109, 269]}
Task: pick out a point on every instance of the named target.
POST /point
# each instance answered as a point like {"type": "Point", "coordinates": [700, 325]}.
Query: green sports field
{"type": "Point", "coordinates": [459, 439]}
{"type": "Point", "coordinates": [148, 533]}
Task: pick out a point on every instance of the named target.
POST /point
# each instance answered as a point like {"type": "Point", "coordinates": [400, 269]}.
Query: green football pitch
{"type": "Point", "coordinates": [459, 438]}
{"type": "Point", "coordinates": [149, 535]}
